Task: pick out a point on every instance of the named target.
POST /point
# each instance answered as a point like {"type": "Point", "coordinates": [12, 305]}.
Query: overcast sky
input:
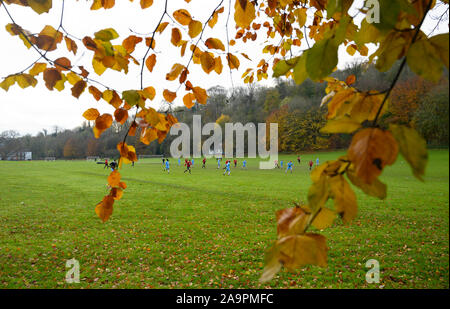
{"type": "Point", "coordinates": [33, 109]}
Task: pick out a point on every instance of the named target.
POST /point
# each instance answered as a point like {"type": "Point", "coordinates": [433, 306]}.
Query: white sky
{"type": "Point", "coordinates": [32, 109]}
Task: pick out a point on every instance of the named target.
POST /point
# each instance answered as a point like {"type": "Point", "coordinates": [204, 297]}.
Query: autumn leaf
{"type": "Point", "coordinates": [97, 94]}
{"type": "Point", "coordinates": [324, 218]}
{"type": "Point", "coordinates": [130, 43]}
{"type": "Point", "coordinates": [169, 96]}
{"type": "Point", "coordinates": [51, 76]}
{"type": "Point", "coordinates": [91, 114]}
{"type": "Point", "coordinates": [78, 88]}
{"type": "Point", "coordinates": [104, 209]}
{"type": "Point", "coordinates": [102, 123]}
{"type": "Point", "coordinates": [121, 115]}
{"type": "Point", "coordinates": [233, 61]}
{"type": "Point", "coordinates": [322, 58]}
{"type": "Point", "coordinates": [244, 13]}
{"type": "Point", "coordinates": [106, 34]}
{"type": "Point", "coordinates": [150, 62]}
{"type": "Point", "coordinates": [200, 95]}
{"type": "Point", "coordinates": [146, 3]}
{"type": "Point", "coordinates": [207, 61]}
{"type": "Point", "coordinates": [412, 147]}
{"type": "Point", "coordinates": [176, 70]}
{"type": "Point", "coordinates": [38, 68]}
{"type": "Point", "coordinates": [182, 16]}
{"type": "Point", "coordinates": [188, 100]}
{"type": "Point", "coordinates": [343, 125]}
{"type": "Point", "coordinates": [214, 43]}
{"type": "Point", "coordinates": [195, 28]}
{"type": "Point", "coordinates": [370, 151]}
{"type": "Point", "coordinates": [344, 198]}
{"type": "Point", "coordinates": [376, 188]}
{"type": "Point", "coordinates": [176, 36]}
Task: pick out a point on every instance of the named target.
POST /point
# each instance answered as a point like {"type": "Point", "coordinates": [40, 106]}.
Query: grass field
{"type": "Point", "coordinates": [206, 230]}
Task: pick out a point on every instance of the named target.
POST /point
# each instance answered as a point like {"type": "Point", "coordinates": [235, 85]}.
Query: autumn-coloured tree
{"type": "Point", "coordinates": [302, 38]}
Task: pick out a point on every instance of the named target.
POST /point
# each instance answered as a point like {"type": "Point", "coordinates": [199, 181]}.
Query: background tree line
{"type": "Point", "coordinates": [296, 109]}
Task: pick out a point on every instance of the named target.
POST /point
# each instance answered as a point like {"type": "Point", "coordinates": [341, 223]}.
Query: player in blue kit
{"type": "Point", "coordinates": [179, 162]}
{"type": "Point", "coordinates": [281, 163]}
{"type": "Point", "coordinates": [218, 163]}
{"type": "Point", "coordinates": [244, 164]}
{"type": "Point", "coordinates": [317, 162]}
{"type": "Point", "coordinates": [167, 166]}
{"type": "Point", "coordinates": [289, 167]}
{"type": "Point", "coordinates": [227, 168]}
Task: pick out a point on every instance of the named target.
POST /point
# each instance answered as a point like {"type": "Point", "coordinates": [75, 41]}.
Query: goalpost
{"type": "Point", "coordinates": [50, 158]}
{"type": "Point", "coordinates": [150, 159]}
{"type": "Point", "coordinates": [92, 158]}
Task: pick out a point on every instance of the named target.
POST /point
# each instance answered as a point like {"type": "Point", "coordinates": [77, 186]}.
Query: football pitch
{"type": "Point", "coordinates": [206, 230]}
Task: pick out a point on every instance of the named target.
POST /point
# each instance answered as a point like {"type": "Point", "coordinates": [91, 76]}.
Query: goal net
{"type": "Point", "coordinates": [92, 158]}
{"type": "Point", "coordinates": [50, 158]}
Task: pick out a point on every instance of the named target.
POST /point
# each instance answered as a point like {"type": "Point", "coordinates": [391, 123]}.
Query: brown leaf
{"type": "Point", "coordinates": [370, 151]}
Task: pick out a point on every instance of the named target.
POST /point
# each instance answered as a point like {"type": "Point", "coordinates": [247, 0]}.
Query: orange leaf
{"type": "Point", "coordinates": [350, 79]}
{"type": "Point", "coordinates": [200, 95]}
{"type": "Point", "coordinates": [175, 71]}
{"type": "Point", "coordinates": [182, 16]}
{"type": "Point", "coordinates": [169, 96]}
{"type": "Point", "coordinates": [91, 114]}
{"type": "Point", "coordinates": [370, 151]}
{"type": "Point", "coordinates": [188, 100]}
{"type": "Point", "coordinates": [51, 76]}
{"type": "Point", "coordinates": [176, 36]}
{"type": "Point", "coordinates": [104, 209]}
{"type": "Point", "coordinates": [150, 62]}
{"type": "Point", "coordinates": [146, 3]}
{"type": "Point", "coordinates": [130, 43]}
{"type": "Point", "coordinates": [97, 94]}
{"type": "Point", "coordinates": [233, 61]}
{"type": "Point", "coordinates": [114, 179]}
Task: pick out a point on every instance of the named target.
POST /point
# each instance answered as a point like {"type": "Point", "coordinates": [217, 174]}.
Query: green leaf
{"type": "Point", "coordinates": [283, 66]}
{"type": "Point", "coordinates": [300, 74]}
{"type": "Point", "coordinates": [321, 59]}
{"type": "Point", "coordinates": [412, 147]}
{"type": "Point", "coordinates": [106, 34]}
{"type": "Point", "coordinates": [440, 43]}
{"type": "Point", "coordinates": [131, 97]}
{"type": "Point", "coordinates": [423, 59]}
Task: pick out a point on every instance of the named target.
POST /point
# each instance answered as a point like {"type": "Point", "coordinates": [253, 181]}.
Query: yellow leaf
{"type": "Point", "coordinates": [343, 125]}
{"type": "Point", "coordinates": [424, 60]}
{"type": "Point", "coordinates": [195, 27]}
{"type": "Point", "coordinates": [344, 198]}
{"type": "Point", "coordinates": [207, 61]}
{"type": "Point", "coordinates": [149, 93]}
{"type": "Point", "coordinates": [300, 250]}
{"type": "Point", "coordinates": [324, 218]}
{"type": "Point", "coordinates": [318, 193]}
{"type": "Point", "coordinates": [175, 71]}
{"type": "Point", "coordinates": [38, 68]}
{"type": "Point", "coordinates": [412, 147]}
{"type": "Point", "coordinates": [244, 13]}
{"type": "Point", "coordinates": [40, 6]}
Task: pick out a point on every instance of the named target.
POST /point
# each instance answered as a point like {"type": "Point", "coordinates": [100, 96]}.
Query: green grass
{"type": "Point", "coordinates": [206, 230]}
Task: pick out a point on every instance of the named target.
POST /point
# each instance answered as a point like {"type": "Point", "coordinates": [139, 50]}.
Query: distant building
{"type": "Point", "coordinates": [19, 156]}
